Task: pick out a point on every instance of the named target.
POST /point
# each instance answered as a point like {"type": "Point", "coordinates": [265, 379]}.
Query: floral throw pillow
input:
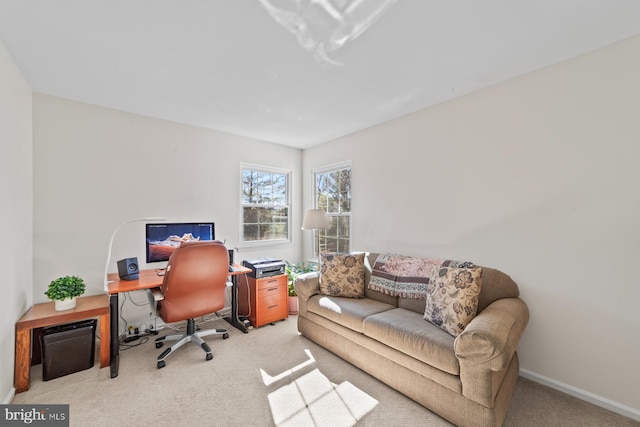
{"type": "Point", "coordinates": [452, 297]}
{"type": "Point", "coordinates": [342, 275]}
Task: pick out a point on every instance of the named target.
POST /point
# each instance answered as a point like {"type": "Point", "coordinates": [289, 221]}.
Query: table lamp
{"type": "Point", "coordinates": [315, 219]}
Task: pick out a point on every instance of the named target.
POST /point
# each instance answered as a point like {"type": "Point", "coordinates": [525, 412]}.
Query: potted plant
{"type": "Point", "coordinates": [64, 291]}
{"type": "Point", "coordinates": [293, 271]}
{"type": "Point", "coordinates": [293, 299]}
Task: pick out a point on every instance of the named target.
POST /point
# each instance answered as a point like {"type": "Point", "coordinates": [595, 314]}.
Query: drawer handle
{"type": "Point", "coordinates": [272, 306]}
{"type": "Point", "coordinates": [273, 289]}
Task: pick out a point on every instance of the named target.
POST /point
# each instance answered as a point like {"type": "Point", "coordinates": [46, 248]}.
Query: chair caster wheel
{"type": "Point", "coordinates": [209, 356]}
{"type": "Point", "coordinates": [225, 336]}
{"type": "Point", "coordinates": [161, 364]}
{"type": "Point", "coordinates": [159, 344]}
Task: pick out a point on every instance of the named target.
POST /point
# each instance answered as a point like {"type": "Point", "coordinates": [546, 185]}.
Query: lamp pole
{"type": "Point", "coordinates": [113, 236]}
{"type": "Point", "coordinates": [316, 219]}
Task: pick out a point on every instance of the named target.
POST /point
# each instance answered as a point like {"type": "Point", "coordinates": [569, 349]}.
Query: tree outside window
{"type": "Point", "coordinates": [333, 194]}
{"type": "Point", "coordinates": [265, 204]}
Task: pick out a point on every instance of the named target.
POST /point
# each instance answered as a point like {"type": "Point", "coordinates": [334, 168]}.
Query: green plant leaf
{"type": "Point", "coordinates": [65, 287]}
{"type": "Point", "coordinates": [294, 270]}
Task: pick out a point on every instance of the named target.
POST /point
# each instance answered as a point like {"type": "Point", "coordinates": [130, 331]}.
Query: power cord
{"type": "Point", "coordinates": [141, 338]}
{"type": "Point", "coordinates": [125, 338]}
{"type": "Point", "coordinates": [124, 344]}
{"type": "Point", "coordinates": [124, 298]}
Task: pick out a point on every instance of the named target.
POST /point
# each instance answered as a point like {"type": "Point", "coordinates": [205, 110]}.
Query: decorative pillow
{"type": "Point", "coordinates": [342, 275]}
{"type": "Point", "coordinates": [452, 297]}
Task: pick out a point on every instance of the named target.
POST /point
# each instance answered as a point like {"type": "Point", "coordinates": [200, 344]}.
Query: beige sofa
{"type": "Point", "coordinates": [468, 379]}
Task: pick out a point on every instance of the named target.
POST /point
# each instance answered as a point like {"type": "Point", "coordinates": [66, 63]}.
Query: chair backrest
{"type": "Point", "coordinates": [195, 281]}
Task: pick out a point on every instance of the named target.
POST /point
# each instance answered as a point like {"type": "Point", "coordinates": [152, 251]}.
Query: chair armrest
{"type": "Point", "coordinates": [487, 345]}
{"type": "Point", "coordinates": [306, 285]}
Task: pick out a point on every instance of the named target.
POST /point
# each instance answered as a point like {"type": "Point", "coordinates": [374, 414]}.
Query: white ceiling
{"type": "Point", "coordinates": [229, 65]}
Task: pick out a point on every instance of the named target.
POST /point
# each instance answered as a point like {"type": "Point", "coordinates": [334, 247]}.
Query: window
{"type": "Point", "coordinates": [265, 205]}
{"type": "Point", "coordinates": [333, 194]}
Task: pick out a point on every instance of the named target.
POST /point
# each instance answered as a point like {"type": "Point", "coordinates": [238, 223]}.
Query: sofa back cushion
{"type": "Point", "coordinates": [495, 285]}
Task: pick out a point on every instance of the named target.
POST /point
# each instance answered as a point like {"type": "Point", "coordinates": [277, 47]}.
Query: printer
{"type": "Point", "coordinates": [264, 267]}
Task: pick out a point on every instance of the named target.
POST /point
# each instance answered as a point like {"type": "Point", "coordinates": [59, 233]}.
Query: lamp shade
{"type": "Point", "coordinates": [315, 219]}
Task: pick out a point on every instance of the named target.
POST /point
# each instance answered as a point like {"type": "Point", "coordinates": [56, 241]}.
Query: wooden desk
{"type": "Point", "coordinates": [150, 279]}
{"type": "Point", "coordinates": [43, 315]}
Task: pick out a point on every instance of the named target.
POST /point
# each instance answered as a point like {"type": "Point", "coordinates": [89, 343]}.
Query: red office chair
{"type": "Point", "coordinates": [194, 285]}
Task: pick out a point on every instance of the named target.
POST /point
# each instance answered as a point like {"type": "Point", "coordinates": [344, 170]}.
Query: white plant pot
{"type": "Point", "coordinates": [65, 304]}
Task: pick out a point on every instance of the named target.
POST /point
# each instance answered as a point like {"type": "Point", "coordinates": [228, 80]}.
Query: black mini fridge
{"type": "Point", "coordinates": [68, 348]}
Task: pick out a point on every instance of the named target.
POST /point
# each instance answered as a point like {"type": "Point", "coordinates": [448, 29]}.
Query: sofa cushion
{"type": "Point", "coordinates": [342, 275]}
{"type": "Point", "coordinates": [495, 285]}
{"type": "Point", "coordinates": [348, 312]}
{"type": "Point", "coordinates": [406, 331]}
{"type": "Point", "coordinates": [452, 297]}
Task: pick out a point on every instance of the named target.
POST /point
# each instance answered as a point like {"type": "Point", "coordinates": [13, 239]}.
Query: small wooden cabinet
{"type": "Point", "coordinates": [268, 299]}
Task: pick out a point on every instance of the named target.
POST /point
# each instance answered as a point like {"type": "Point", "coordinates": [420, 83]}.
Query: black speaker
{"type": "Point", "coordinates": [128, 269]}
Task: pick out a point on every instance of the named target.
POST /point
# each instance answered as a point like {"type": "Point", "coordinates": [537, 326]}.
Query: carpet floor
{"type": "Point", "coordinates": [271, 376]}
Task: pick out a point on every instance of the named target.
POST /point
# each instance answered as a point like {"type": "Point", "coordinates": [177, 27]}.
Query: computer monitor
{"type": "Point", "coordinates": [163, 239]}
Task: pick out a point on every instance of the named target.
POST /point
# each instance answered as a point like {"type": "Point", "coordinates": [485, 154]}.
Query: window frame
{"type": "Point", "coordinates": [314, 179]}
{"type": "Point", "coordinates": [265, 169]}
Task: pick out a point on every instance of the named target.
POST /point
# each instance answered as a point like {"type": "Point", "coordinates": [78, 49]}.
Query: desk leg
{"type": "Point", "coordinates": [114, 347]}
{"type": "Point", "coordinates": [22, 369]}
{"type": "Point", "coordinates": [233, 320]}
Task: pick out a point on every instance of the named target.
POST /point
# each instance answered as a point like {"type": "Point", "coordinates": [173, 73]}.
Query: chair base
{"type": "Point", "coordinates": [192, 335]}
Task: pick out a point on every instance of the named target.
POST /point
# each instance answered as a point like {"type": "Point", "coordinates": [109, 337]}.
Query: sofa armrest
{"type": "Point", "coordinates": [486, 347]}
{"type": "Point", "coordinates": [306, 285]}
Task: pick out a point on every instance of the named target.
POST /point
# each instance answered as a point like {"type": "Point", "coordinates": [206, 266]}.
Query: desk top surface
{"type": "Point", "coordinates": [45, 314]}
{"type": "Point", "coordinates": [150, 279]}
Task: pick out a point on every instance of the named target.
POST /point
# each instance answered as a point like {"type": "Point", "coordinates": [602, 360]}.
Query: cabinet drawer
{"type": "Point", "coordinates": [271, 282]}
{"type": "Point", "coordinates": [272, 290]}
{"type": "Point", "coordinates": [268, 300]}
{"type": "Point", "coordinates": [273, 310]}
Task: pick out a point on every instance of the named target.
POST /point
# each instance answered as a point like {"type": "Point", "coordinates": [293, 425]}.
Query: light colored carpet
{"type": "Point", "coordinates": [270, 376]}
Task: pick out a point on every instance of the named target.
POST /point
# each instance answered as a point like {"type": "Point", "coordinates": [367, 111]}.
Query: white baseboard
{"type": "Point", "coordinates": [10, 396]}
{"type": "Point", "coordinates": [600, 401]}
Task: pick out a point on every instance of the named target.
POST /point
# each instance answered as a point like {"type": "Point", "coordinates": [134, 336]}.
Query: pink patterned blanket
{"type": "Point", "coordinates": [405, 276]}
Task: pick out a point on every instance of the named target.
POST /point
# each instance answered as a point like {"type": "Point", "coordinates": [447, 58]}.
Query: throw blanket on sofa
{"type": "Point", "coordinates": [405, 276]}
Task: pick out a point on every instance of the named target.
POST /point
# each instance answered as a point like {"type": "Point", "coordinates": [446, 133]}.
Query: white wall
{"type": "Point", "coordinates": [16, 212]}
{"type": "Point", "coordinates": [538, 177]}
{"type": "Point", "coordinates": [95, 168]}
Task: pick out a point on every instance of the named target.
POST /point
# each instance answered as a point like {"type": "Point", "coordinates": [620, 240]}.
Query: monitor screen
{"type": "Point", "coordinates": [163, 239]}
